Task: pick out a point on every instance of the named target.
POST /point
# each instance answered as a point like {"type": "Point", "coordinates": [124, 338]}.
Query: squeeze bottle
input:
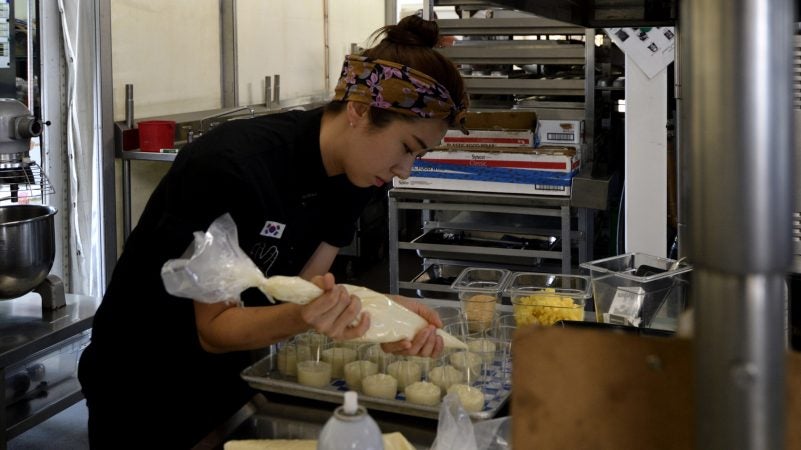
{"type": "Point", "coordinates": [350, 428]}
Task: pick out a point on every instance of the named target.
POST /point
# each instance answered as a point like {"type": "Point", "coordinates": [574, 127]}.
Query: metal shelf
{"type": "Point", "coordinates": [597, 13]}
{"type": "Point", "coordinates": [488, 206]}
{"type": "Point", "coordinates": [130, 155]}
{"type": "Point", "coordinates": [522, 52]}
{"type": "Point", "coordinates": [506, 26]}
{"type": "Point", "coordinates": [514, 52]}
{"type": "Point", "coordinates": [517, 86]}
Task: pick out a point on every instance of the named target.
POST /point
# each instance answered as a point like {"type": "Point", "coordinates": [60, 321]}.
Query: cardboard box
{"type": "Point", "coordinates": [489, 138]}
{"type": "Point", "coordinates": [495, 128]}
{"type": "Point", "coordinates": [511, 120]}
{"type": "Point", "coordinates": [549, 158]}
{"type": "Point", "coordinates": [561, 132]}
{"type": "Point", "coordinates": [544, 171]}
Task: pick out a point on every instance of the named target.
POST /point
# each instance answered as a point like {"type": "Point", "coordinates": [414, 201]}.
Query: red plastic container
{"type": "Point", "coordinates": [155, 135]}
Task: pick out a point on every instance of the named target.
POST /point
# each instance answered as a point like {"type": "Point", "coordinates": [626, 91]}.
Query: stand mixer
{"type": "Point", "coordinates": [27, 233]}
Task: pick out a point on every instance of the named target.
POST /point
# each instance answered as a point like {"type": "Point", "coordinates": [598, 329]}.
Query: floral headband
{"type": "Point", "coordinates": [395, 87]}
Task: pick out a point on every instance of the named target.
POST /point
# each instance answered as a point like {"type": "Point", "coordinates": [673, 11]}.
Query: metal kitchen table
{"type": "Point", "coordinates": [28, 334]}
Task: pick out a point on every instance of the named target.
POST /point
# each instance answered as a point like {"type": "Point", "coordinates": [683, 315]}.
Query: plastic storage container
{"type": "Point", "coordinates": [637, 289]}
{"type": "Point", "coordinates": [546, 298]}
{"type": "Point", "coordinates": [33, 376]}
{"type": "Point", "coordinates": [480, 291]}
{"type": "Point", "coordinates": [155, 135]}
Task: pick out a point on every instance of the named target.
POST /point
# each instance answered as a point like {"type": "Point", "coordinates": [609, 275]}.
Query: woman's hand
{"type": "Point", "coordinates": [425, 342]}
{"type": "Point", "coordinates": [333, 312]}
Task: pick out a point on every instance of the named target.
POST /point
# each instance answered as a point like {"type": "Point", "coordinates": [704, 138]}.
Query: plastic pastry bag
{"type": "Point", "coordinates": [218, 270]}
{"type": "Point", "coordinates": [495, 434]}
{"type": "Point", "coordinates": [454, 429]}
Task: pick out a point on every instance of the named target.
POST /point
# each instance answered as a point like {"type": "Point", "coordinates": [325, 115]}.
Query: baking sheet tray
{"type": "Point", "coordinates": [264, 375]}
{"type": "Point", "coordinates": [487, 246]}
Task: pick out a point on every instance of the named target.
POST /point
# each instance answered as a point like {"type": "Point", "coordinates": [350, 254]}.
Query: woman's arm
{"type": "Point", "coordinates": [225, 327]}
{"type": "Point", "coordinates": [320, 261]}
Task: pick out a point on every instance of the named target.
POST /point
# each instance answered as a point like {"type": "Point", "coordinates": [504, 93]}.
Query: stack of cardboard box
{"type": "Point", "coordinates": [506, 152]}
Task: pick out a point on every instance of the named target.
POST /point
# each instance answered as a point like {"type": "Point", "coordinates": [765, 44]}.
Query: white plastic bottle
{"type": "Point", "coordinates": [350, 428]}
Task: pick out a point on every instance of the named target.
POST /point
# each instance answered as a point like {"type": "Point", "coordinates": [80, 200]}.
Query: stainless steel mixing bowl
{"type": "Point", "coordinates": [27, 247]}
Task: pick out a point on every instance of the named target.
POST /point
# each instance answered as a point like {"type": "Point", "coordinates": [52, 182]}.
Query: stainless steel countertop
{"type": "Point", "coordinates": [274, 416]}
{"type": "Point", "coordinates": [25, 328]}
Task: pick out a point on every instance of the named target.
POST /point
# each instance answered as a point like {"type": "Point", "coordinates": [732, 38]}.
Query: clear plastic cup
{"type": "Point", "coordinates": [287, 358]}
{"type": "Point", "coordinates": [314, 373]}
{"type": "Point", "coordinates": [310, 346]}
{"type": "Point", "coordinates": [405, 371]}
{"type": "Point", "coordinates": [356, 371]}
{"type": "Point", "coordinates": [338, 357]}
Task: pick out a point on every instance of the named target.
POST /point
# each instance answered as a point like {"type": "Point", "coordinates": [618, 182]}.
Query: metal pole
{"type": "Point", "coordinates": [737, 84]}
{"type": "Point", "coordinates": [129, 106]}
{"type": "Point", "coordinates": [104, 108]}
{"type": "Point", "coordinates": [683, 191]}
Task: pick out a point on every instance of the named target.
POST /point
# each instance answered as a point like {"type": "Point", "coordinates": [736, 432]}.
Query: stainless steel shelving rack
{"type": "Point", "coordinates": [500, 206]}
{"type": "Point", "coordinates": [524, 52]}
{"type": "Point", "coordinates": [503, 206]}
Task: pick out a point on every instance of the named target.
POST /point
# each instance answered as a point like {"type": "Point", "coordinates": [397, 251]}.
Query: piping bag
{"type": "Point", "coordinates": [215, 269]}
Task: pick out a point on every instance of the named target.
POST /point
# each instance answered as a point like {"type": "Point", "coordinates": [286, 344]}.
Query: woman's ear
{"type": "Point", "coordinates": [356, 112]}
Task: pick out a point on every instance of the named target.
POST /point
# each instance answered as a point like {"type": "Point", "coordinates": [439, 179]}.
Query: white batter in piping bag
{"type": "Point", "coordinates": [218, 270]}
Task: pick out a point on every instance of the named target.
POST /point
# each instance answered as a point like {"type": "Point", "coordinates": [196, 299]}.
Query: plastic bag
{"type": "Point", "coordinates": [455, 430]}
{"type": "Point", "coordinates": [493, 434]}
{"type": "Point", "coordinates": [217, 270]}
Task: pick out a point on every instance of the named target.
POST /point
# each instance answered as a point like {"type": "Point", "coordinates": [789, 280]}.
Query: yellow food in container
{"type": "Point", "coordinates": [546, 308]}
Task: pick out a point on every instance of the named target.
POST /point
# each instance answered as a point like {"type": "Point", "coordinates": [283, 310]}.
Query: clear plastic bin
{"type": "Point", "coordinates": [480, 291]}
{"type": "Point", "coordinates": [637, 289]}
{"type": "Point", "coordinates": [546, 298]}
{"type": "Point", "coordinates": [44, 369]}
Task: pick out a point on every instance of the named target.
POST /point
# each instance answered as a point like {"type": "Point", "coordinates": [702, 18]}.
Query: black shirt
{"type": "Point", "coordinates": [267, 172]}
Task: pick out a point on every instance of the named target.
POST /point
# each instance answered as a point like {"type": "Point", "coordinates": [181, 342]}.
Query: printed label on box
{"type": "Point", "coordinates": [545, 161]}
{"type": "Point", "coordinates": [489, 138]}
{"type": "Point", "coordinates": [443, 175]}
{"type": "Point", "coordinates": [416, 182]}
{"type": "Point", "coordinates": [561, 131]}
{"type": "Point", "coordinates": [625, 307]}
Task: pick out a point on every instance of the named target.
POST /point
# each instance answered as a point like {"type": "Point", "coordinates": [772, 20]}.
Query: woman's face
{"type": "Point", "coordinates": [375, 155]}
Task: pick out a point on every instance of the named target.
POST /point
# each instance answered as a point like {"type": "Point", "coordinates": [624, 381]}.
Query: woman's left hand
{"type": "Point", "coordinates": [425, 342]}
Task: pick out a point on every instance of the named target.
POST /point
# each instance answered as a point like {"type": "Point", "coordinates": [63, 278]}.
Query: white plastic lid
{"type": "Point", "coordinates": [351, 404]}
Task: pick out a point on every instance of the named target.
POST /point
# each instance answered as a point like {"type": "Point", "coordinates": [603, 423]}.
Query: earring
{"type": "Point", "coordinates": [351, 124]}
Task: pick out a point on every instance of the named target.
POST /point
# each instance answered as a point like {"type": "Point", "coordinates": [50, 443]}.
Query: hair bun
{"type": "Point", "coordinates": [413, 30]}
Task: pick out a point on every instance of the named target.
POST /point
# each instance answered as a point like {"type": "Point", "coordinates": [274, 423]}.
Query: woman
{"type": "Point", "coordinates": [294, 183]}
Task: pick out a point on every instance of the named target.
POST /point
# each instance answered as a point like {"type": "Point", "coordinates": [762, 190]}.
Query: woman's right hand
{"type": "Point", "coordinates": [333, 312]}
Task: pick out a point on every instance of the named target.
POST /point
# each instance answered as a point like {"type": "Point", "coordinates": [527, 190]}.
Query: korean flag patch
{"type": "Point", "coordinates": [273, 229]}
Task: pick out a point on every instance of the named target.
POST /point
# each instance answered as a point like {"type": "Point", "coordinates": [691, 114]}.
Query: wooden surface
{"type": "Point", "coordinates": [578, 389]}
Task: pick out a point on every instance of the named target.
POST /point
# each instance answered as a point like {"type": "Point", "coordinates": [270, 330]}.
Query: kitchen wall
{"type": "Point", "coordinates": [170, 52]}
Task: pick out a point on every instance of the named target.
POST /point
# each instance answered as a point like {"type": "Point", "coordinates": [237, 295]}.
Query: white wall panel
{"type": "Point", "coordinates": [169, 51]}
{"type": "Point", "coordinates": [345, 28]}
{"type": "Point", "coordinates": [280, 37]}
